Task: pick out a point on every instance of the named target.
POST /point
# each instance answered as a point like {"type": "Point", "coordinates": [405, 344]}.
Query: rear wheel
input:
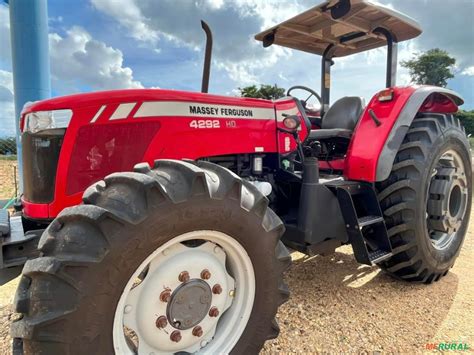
{"type": "Point", "coordinates": [184, 257]}
{"type": "Point", "coordinates": [427, 199]}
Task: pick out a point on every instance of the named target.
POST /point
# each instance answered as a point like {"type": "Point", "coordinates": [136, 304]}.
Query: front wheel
{"type": "Point", "coordinates": [427, 199]}
{"type": "Point", "coordinates": [181, 258]}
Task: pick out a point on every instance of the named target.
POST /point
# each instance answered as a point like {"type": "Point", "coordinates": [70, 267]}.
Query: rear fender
{"type": "Point", "coordinates": [373, 148]}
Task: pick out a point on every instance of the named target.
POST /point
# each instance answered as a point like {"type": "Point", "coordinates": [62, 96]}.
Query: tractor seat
{"type": "Point", "coordinates": [340, 120]}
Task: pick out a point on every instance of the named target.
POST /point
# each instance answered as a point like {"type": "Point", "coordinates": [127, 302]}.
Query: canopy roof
{"type": "Point", "coordinates": [314, 30]}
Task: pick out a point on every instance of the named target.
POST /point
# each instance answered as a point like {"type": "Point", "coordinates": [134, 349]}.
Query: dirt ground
{"type": "Point", "coordinates": [338, 306]}
{"type": "Point", "coordinates": [7, 186]}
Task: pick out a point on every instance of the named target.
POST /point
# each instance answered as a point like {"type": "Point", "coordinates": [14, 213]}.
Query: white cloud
{"type": "Point", "coordinates": [129, 15]}
{"type": "Point", "coordinates": [468, 71]}
{"type": "Point", "coordinates": [7, 110]}
{"type": "Point", "coordinates": [234, 23]}
{"type": "Point", "coordinates": [215, 4]}
{"type": "Point", "coordinates": [6, 80]}
{"type": "Point", "coordinates": [5, 53]}
{"type": "Point", "coordinates": [78, 60]}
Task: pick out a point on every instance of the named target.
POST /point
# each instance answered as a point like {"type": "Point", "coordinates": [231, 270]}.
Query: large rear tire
{"type": "Point", "coordinates": [135, 268]}
{"type": "Point", "coordinates": [427, 199]}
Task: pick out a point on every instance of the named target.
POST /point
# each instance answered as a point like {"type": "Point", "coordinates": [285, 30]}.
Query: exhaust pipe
{"type": "Point", "coordinates": [207, 58]}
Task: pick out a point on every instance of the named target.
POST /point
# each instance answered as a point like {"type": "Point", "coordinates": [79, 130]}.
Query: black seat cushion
{"type": "Point", "coordinates": [320, 134]}
{"type": "Point", "coordinates": [344, 113]}
{"type": "Point", "coordinates": [340, 120]}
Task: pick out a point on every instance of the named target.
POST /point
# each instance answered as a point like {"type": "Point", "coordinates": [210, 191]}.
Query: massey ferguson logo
{"type": "Point", "coordinates": [219, 111]}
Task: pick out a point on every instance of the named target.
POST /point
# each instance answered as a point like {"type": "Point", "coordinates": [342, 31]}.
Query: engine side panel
{"type": "Point", "coordinates": [113, 131]}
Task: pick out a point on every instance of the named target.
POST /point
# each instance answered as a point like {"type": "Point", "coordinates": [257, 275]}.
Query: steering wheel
{"type": "Point", "coordinates": [311, 92]}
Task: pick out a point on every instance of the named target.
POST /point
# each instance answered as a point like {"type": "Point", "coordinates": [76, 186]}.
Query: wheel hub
{"type": "Point", "coordinates": [183, 297]}
{"type": "Point", "coordinates": [447, 202]}
{"type": "Point", "coordinates": [189, 304]}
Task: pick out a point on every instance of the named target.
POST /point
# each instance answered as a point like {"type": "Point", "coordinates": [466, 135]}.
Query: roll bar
{"type": "Point", "coordinates": [327, 62]}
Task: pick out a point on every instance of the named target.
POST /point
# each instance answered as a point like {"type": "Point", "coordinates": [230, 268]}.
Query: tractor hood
{"type": "Point", "coordinates": [70, 102]}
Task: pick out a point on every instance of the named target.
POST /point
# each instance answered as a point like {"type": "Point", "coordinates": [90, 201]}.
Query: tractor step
{"type": "Point", "coordinates": [379, 256]}
{"type": "Point", "coordinates": [369, 220]}
{"type": "Point", "coordinates": [364, 220]}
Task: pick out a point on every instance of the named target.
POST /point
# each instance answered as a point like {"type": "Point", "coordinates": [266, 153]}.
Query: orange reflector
{"type": "Point", "coordinates": [385, 95]}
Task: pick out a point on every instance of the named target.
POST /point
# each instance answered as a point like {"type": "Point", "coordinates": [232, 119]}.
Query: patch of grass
{"type": "Point", "coordinates": [471, 140]}
{"type": "Point", "coordinates": [8, 157]}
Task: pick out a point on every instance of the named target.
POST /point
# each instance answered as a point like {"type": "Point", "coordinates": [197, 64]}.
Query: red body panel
{"type": "Point", "coordinates": [97, 144]}
{"type": "Point", "coordinates": [369, 139]}
{"type": "Point", "coordinates": [112, 131]}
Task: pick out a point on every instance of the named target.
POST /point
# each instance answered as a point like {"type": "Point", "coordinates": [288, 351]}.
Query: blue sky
{"type": "Point", "coordinates": [113, 44]}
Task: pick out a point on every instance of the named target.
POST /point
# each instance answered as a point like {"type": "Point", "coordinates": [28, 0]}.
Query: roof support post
{"type": "Point", "coordinates": [392, 56]}
{"type": "Point", "coordinates": [326, 77]}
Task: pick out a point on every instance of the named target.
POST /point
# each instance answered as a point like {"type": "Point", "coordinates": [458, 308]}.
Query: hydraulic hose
{"type": "Point", "coordinates": [9, 203]}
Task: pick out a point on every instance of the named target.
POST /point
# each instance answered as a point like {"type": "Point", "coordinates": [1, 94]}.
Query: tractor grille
{"type": "Point", "coordinates": [40, 161]}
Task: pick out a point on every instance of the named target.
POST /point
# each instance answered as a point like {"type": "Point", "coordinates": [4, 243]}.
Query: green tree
{"type": "Point", "coordinates": [467, 120]}
{"type": "Point", "coordinates": [268, 92]}
{"type": "Point", "coordinates": [433, 67]}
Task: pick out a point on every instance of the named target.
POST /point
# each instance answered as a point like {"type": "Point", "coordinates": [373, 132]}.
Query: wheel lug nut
{"type": "Point", "coordinates": [197, 331]}
{"type": "Point", "coordinates": [205, 274]}
{"type": "Point", "coordinates": [213, 312]}
{"type": "Point", "coordinates": [176, 336]}
{"type": "Point", "coordinates": [183, 276]}
{"type": "Point", "coordinates": [165, 295]}
{"type": "Point", "coordinates": [217, 289]}
{"type": "Point", "coordinates": [161, 322]}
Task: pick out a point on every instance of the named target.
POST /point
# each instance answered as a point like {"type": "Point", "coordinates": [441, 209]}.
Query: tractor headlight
{"type": "Point", "coordinates": [42, 120]}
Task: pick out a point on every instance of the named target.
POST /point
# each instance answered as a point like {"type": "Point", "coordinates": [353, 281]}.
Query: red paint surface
{"type": "Point", "coordinates": [438, 103]}
{"type": "Point", "coordinates": [337, 164]}
{"type": "Point", "coordinates": [287, 106]}
{"type": "Point", "coordinates": [89, 151]}
{"type": "Point", "coordinates": [369, 139]}
{"type": "Point", "coordinates": [35, 210]}
{"type": "Point", "coordinates": [146, 139]}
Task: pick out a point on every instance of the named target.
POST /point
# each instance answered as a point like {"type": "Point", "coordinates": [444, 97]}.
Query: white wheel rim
{"type": "Point", "coordinates": [450, 159]}
{"type": "Point", "coordinates": [140, 306]}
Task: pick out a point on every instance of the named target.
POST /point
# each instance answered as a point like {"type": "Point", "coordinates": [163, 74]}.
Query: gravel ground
{"type": "Point", "coordinates": [7, 185]}
{"type": "Point", "coordinates": [338, 306]}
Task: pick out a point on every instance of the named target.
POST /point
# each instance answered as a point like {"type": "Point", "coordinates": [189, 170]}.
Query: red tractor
{"type": "Point", "coordinates": [151, 219]}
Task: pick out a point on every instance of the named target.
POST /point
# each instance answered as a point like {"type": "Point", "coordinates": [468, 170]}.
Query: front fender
{"type": "Point", "coordinates": [373, 148]}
